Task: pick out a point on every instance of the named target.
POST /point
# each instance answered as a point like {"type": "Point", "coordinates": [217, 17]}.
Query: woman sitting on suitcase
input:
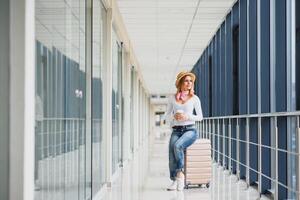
{"type": "Point", "coordinates": [180, 113]}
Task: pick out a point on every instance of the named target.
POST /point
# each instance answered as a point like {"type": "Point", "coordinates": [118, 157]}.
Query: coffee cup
{"type": "Point", "coordinates": [179, 111]}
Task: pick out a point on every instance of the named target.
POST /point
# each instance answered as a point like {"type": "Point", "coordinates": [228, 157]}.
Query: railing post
{"type": "Point", "coordinates": [201, 129]}
{"type": "Point", "coordinates": [276, 158]}
{"type": "Point", "coordinates": [224, 153]}
{"type": "Point", "coordinates": [248, 151]}
{"type": "Point", "coordinates": [229, 145]}
{"type": "Point", "coordinates": [198, 128]}
{"type": "Point", "coordinates": [209, 129]}
{"type": "Point", "coordinates": [259, 156]}
{"type": "Point", "coordinates": [218, 133]}
{"type": "Point", "coordinates": [201, 125]}
{"type": "Point", "coordinates": [206, 129]}
{"type": "Point", "coordinates": [238, 147]}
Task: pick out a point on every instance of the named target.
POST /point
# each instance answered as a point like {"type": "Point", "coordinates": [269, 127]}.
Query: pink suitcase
{"type": "Point", "coordinates": [198, 163]}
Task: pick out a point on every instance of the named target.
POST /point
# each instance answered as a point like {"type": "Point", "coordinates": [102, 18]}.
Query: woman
{"type": "Point", "coordinates": [180, 111]}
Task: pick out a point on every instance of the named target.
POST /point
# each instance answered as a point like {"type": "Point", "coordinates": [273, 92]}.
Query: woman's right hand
{"type": "Point", "coordinates": [176, 116]}
{"type": "Point", "coordinates": [180, 117]}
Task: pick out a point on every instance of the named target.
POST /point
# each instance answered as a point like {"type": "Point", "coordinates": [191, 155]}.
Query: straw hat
{"type": "Point", "coordinates": [182, 74]}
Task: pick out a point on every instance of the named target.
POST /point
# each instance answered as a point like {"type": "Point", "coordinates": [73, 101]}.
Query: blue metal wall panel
{"type": "Point", "coordinates": [201, 77]}
{"type": "Point", "coordinates": [218, 91]}
{"type": "Point", "coordinates": [195, 71]}
{"type": "Point", "coordinates": [227, 82]}
{"type": "Point", "coordinates": [265, 56]}
{"type": "Point", "coordinates": [202, 69]}
{"type": "Point", "coordinates": [222, 83]}
{"type": "Point", "coordinates": [265, 90]}
{"type": "Point", "coordinates": [210, 94]}
{"type": "Point", "coordinates": [243, 58]}
{"type": "Point", "coordinates": [243, 82]}
{"type": "Point", "coordinates": [235, 14]}
{"type": "Point", "coordinates": [234, 24]}
{"type": "Point", "coordinates": [297, 73]}
{"type": "Point", "coordinates": [206, 83]}
{"type": "Point", "coordinates": [222, 71]}
{"type": "Point", "coordinates": [235, 59]}
{"type": "Point", "coordinates": [228, 66]}
{"type": "Point", "coordinates": [203, 80]}
{"type": "Point", "coordinates": [281, 91]}
{"type": "Point", "coordinates": [214, 91]}
{"type": "Point", "coordinates": [60, 87]}
{"type": "Point", "coordinates": [280, 57]}
{"type": "Point", "coordinates": [252, 57]}
{"type": "Point", "coordinates": [217, 73]}
{"type": "Point", "coordinates": [252, 68]}
{"type": "Point", "coordinates": [214, 82]}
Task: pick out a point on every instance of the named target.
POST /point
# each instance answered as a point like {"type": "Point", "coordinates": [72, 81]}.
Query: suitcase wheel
{"type": "Point", "coordinates": [207, 185]}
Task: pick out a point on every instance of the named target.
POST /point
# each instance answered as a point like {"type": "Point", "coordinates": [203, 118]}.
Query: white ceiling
{"type": "Point", "coordinates": [169, 36]}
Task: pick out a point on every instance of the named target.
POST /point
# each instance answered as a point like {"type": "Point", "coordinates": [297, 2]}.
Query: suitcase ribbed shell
{"type": "Point", "coordinates": [198, 163]}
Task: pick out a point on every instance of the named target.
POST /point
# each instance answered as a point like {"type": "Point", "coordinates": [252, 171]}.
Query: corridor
{"type": "Point", "coordinates": [90, 91]}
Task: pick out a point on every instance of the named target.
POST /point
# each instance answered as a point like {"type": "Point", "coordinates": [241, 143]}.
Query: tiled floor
{"type": "Point", "coordinates": [132, 185]}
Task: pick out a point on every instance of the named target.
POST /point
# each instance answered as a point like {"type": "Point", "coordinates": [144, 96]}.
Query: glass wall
{"type": "Point", "coordinates": [98, 147]}
{"type": "Point", "coordinates": [70, 150]}
{"type": "Point", "coordinates": [61, 170]}
{"type": "Point", "coordinates": [116, 102]}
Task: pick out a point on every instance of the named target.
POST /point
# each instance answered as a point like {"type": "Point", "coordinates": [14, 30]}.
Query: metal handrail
{"type": "Point", "coordinates": [211, 127]}
{"type": "Point", "coordinates": [262, 115]}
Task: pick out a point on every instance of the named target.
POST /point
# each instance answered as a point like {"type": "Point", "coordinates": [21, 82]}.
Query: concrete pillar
{"type": "Point", "coordinates": [4, 99]}
{"type": "Point", "coordinates": [22, 99]}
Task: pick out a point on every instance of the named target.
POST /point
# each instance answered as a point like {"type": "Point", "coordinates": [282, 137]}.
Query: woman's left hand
{"type": "Point", "coordinates": [181, 117]}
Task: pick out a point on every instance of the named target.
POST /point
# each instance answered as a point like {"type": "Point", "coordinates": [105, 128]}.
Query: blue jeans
{"type": "Point", "coordinates": [181, 138]}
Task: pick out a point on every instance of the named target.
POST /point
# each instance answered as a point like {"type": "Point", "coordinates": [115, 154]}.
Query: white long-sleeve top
{"type": "Point", "coordinates": [188, 108]}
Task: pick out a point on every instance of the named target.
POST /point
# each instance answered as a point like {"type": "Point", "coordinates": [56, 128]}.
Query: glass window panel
{"type": "Point", "coordinates": [116, 92]}
{"type": "Point", "coordinates": [98, 151]}
{"type": "Point", "coordinates": [60, 100]}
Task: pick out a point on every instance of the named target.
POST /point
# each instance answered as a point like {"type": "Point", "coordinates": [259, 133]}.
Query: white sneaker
{"type": "Point", "coordinates": [180, 183]}
{"type": "Point", "coordinates": [173, 186]}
